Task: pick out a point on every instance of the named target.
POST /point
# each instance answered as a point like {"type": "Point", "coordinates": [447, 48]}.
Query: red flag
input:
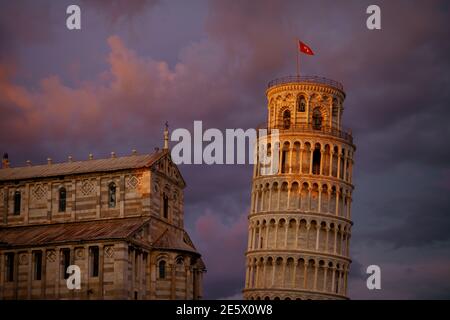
{"type": "Point", "coordinates": [305, 49]}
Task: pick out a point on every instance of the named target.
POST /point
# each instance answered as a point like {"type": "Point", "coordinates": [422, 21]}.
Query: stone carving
{"type": "Point", "coordinates": [23, 259]}
{"type": "Point", "coordinates": [51, 255]}
{"type": "Point", "coordinates": [87, 187]}
{"type": "Point", "coordinates": [109, 251]}
{"type": "Point", "coordinates": [133, 182]}
{"type": "Point", "coordinates": [39, 192]}
{"type": "Point", "coordinates": [79, 253]}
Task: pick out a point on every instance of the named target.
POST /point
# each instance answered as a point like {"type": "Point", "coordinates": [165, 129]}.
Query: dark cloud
{"type": "Point", "coordinates": [358, 271]}
{"type": "Point", "coordinates": [116, 10]}
{"type": "Point", "coordinates": [23, 22]}
{"type": "Point", "coordinates": [424, 220]}
{"type": "Point", "coordinates": [223, 245]}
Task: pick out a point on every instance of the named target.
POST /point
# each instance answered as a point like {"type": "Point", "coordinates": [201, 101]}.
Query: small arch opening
{"type": "Point", "coordinates": [335, 108]}
{"type": "Point", "coordinates": [162, 269]}
{"type": "Point", "coordinates": [112, 195]}
{"type": "Point", "coordinates": [301, 104]}
{"type": "Point", "coordinates": [316, 160]}
{"type": "Point", "coordinates": [165, 206]}
{"type": "Point", "coordinates": [17, 202]}
{"type": "Point", "coordinates": [317, 119]}
{"type": "Point", "coordinates": [62, 199]}
{"type": "Point", "coordinates": [286, 119]}
{"type": "Point", "coordinates": [284, 155]}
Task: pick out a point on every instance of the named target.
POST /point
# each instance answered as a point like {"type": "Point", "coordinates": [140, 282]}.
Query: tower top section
{"type": "Point", "coordinates": [306, 80]}
{"type": "Point", "coordinates": [307, 104]}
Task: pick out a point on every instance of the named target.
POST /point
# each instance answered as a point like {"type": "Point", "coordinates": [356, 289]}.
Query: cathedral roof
{"type": "Point", "coordinates": [126, 229]}
{"type": "Point", "coordinates": [80, 167]}
{"type": "Point", "coordinates": [168, 240]}
{"type": "Point", "coordinates": [35, 235]}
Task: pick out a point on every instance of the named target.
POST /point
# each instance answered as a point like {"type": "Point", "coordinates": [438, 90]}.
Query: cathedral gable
{"type": "Point", "coordinates": [166, 167]}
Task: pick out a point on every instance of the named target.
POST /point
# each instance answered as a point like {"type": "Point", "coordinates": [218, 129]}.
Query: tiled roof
{"type": "Point", "coordinates": [79, 167]}
{"type": "Point", "coordinates": [170, 241]}
{"type": "Point", "coordinates": [35, 235]}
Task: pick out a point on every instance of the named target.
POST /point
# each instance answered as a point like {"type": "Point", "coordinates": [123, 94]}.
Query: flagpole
{"type": "Point", "coordinates": [298, 62]}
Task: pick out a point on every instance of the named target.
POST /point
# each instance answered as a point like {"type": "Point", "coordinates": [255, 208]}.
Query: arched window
{"type": "Point", "coordinates": [162, 269]}
{"type": "Point", "coordinates": [17, 201]}
{"type": "Point", "coordinates": [112, 195]}
{"type": "Point", "coordinates": [335, 110]}
{"type": "Point", "coordinates": [180, 262]}
{"type": "Point", "coordinates": [301, 104]}
{"type": "Point", "coordinates": [284, 155]}
{"type": "Point", "coordinates": [316, 160]}
{"type": "Point", "coordinates": [165, 206]}
{"type": "Point", "coordinates": [62, 200]}
{"type": "Point", "coordinates": [94, 261]}
{"type": "Point", "coordinates": [37, 265]}
{"type": "Point", "coordinates": [9, 268]}
{"type": "Point", "coordinates": [317, 119]}
{"type": "Point", "coordinates": [286, 119]}
{"type": "Point", "coordinates": [336, 286]}
{"type": "Point", "coordinates": [65, 262]}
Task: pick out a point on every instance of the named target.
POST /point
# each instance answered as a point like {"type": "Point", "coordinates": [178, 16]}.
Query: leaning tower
{"type": "Point", "coordinates": [299, 221]}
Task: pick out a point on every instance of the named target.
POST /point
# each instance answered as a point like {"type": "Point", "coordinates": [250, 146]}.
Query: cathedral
{"type": "Point", "coordinates": [120, 220]}
{"type": "Point", "coordinates": [299, 220]}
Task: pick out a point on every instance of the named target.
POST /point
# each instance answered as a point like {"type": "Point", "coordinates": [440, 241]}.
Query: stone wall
{"type": "Point", "coordinates": [125, 272]}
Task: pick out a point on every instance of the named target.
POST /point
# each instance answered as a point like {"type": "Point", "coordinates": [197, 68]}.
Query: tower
{"type": "Point", "coordinates": [299, 220]}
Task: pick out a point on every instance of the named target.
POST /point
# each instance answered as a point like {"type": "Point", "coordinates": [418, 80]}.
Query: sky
{"type": "Point", "coordinates": [135, 64]}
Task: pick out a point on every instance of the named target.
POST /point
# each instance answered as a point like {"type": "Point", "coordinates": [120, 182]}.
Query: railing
{"type": "Point", "coordinates": [309, 79]}
{"type": "Point", "coordinates": [310, 128]}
